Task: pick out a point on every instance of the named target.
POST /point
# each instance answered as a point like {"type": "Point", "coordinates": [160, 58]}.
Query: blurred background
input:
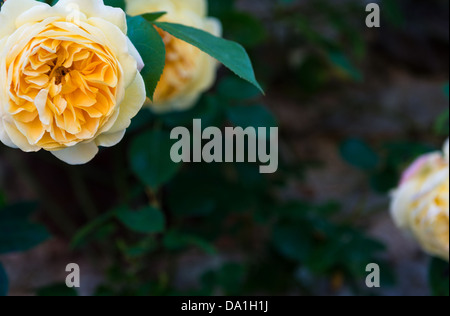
{"type": "Point", "coordinates": [354, 106]}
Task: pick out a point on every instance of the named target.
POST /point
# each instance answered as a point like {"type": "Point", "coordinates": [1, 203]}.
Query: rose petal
{"type": "Point", "coordinates": [77, 155]}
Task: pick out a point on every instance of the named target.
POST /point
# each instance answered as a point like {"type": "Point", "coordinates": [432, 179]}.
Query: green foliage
{"type": "Point", "coordinates": [148, 220]}
{"type": "Point", "coordinates": [253, 234]}
{"type": "Point", "coordinates": [231, 54]}
{"type": "Point", "coordinates": [151, 48]}
{"type": "Point", "coordinates": [3, 282]}
{"type": "Point", "coordinates": [385, 164]}
{"type": "Point", "coordinates": [17, 233]}
{"type": "Point", "coordinates": [115, 3]}
{"type": "Point", "coordinates": [306, 235]}
{"type": "Point", "coordinates": [359, 154]}
{"type": "Point", "coordinates": [150, 158]}
{"type": "Point", "coordinates": [439, 277]}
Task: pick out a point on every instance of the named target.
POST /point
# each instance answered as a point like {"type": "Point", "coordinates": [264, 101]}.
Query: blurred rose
{"type": "Point", "coordinates": [188, 71]}
{"type": "Point", "coordinates": [421, 203]}
{"type": "Point", "coordinates": [69, 79]}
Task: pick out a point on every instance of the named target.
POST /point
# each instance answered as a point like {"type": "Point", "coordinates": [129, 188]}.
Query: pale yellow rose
{"type": "Point", "coordinates": [421, 203]}
{"type": "Point", "coordinates": [188, 72]}
{"type": "Point", "coordinates": [69, 77]}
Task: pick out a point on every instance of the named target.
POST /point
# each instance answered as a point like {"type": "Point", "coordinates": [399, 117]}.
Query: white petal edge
{"type": "Point", "coordinates": [96, 8]}
{"type": "Point", "coordinates": [77, 155]}
{"type": "Point", "coordinates": [11, 10]}
{"type": "Point", "coordinates": [110, 139]}
{"type": "Point", "coordinates": [18, 139]}
{"type": "Point", "coordinates": [135, 96]}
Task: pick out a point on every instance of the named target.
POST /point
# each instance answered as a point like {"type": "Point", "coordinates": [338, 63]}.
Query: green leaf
{"type": "Point", "coordinates": [81, 236]}
{"type": "Point", "coordinates": [251, 116]}
{"type": "Point", "coordinates": [175, 241]}
{"type": "Point", "coordinates": [151, 47]}
{"type": "Point", "coordinates": [231, 54]}
{"type": "Point", "coordinates": [59, 290]}
{"type": "Point", "coordinates": [359, 154]}
{"type": "Point", "coordinates": [236, 89]}
{"type": "Point", "coordinates": [342, 62]}
{"type": "Point", "coordinates": [442, 123]}
{"type": "Point", "coordinates": [149, 155]}
{"type": "Point", "coordinates": [439, 277]}
{"type": "Point", "coordinates": [293, 242]}
{"type": "Point", "coordinates": [147, 220]}
{"type": "Point", "coordinates": [116, 3]}
{"type": "Point", "coordinates": [4, 283]}
{"type": "Point", "coordinates": [17, 233]}
{"type": "Point", "coordinates": [152, 17]}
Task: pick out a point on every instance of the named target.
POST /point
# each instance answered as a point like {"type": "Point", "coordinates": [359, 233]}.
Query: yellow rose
{"type": "Point", "coordinates": [188, 71]}
{"type": "Point", "coordinates": [421, 203]}
{"type": "Point", "coordinates": [69, 77]}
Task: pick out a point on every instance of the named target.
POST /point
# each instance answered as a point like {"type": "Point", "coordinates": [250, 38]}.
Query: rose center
{"type": "Point", "coordinates": [59, 73]}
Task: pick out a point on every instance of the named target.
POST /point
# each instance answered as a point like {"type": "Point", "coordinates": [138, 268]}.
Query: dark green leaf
{"type": "Point", "coordinates": [116, 3]}
{"type": "Point", "coordinates": [359, 154]}
{"type": "Point", "coordinates": [237, 89]}
{"type": "Point", "coordinates": [175, 241]}
{"type": "Point", "coordinates": [150, 158]}
{"type": "Point", "coordinates": [17, 233]}
{"type": "Point", "coordinates": [293, 242]}
{"type": "Point", "coordinates": [344, 63]}
{"type": "Point", "coordinates": [152, 17]}
{"type": "Point", "coordinates": [151, 48]}
{"type": "Point", "coordinates": [231, 54]}
{"type": "Point", "coordinates": [82, 235]}
{"type": "Point", "coordinates": [148, 220]}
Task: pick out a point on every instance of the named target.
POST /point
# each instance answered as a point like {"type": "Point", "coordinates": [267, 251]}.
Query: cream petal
{"type": "Point", "coordinates": [96, 8]}
{"type": "Point", "coordinates": [401, 204]}
{"type": "Point", "coordinates": [214, 26]}
{"type": "Point", "coordinates": [18, 138]}
{"type": "Point", "coordinates": [44, 11]}
{"type": "Point", "coordinates": [204, 79]}
{"type": "Point", "coordinates": [138, 7]}
{"type": "Point", "coordinates": [199, 7]}
{"type": "Point", "coordinates": [41, 105]}
{"type": "Point", "coordinates": [130, 106]}
{"type": "Point", "coordinates": [77, 155]}
{"type": "Point", "coordinates": [119, 43]}
{"type": "Point", "coordinates": [110, 139]}
{"type": "Point", "coordinates": [11, 10]}
{"type": "Point", "coordinates": [4, 138]}
{"type": "Point", "coordinates": [134, 52]}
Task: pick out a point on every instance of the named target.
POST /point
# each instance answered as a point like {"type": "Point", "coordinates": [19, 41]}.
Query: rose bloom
{"type": "Point", "coordinates": [188, 71]}
{"type": "Point", "coordinates": [421, 203]}
{"type": "Point", "coordinates": [69, 77]}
